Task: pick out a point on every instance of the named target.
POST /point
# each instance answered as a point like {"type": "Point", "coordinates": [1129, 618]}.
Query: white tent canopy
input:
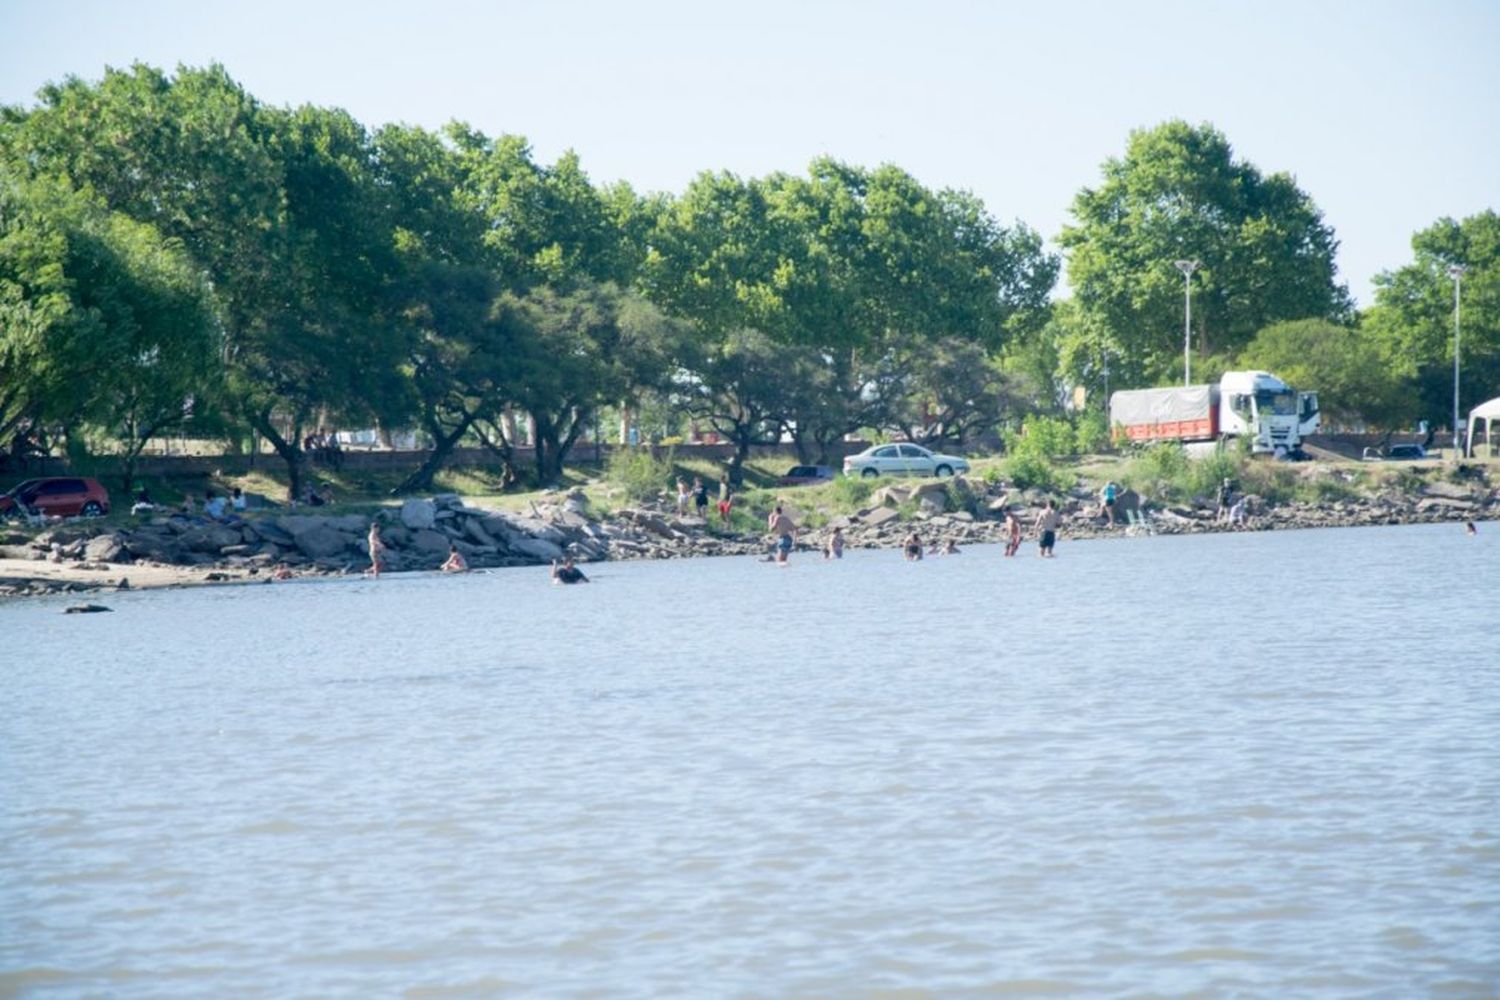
{"type": "Point", "coordinates": [1487, 414]}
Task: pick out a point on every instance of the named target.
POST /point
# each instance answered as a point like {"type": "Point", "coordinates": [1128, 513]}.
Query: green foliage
{"type": "Point", "coordinates": [1043, 437]}
{"type": "Point", "coordinates": [1091, 432]}
{"type": "Point", "coordinates": [851, 491]}
{"type": "Point", "coordinates": [1412, 321]}
{"type": "Point", "coordinates": [1266, 254]}
{"type": "Point", "coordinates": [639, 474]}
{"type": "Point", "coordinates": [1029, 470]}
{"type": "Point", "coordinates": [1159, 472]}
{"type": "Point", "coordinates": [1355, 377]}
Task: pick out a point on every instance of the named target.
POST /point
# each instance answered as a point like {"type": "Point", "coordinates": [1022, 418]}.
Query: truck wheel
{"type": "Point", "coordinates": [870, 473]}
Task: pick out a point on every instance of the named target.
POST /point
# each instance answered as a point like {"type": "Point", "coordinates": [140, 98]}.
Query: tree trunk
{"type": "Point", "coordinates": [442, 447]}
{"type": "Point", "coordinates": [290, 451]}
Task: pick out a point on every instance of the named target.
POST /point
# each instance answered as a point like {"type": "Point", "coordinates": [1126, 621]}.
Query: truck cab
{"type": "Point", "coordinates": [1259, 406]}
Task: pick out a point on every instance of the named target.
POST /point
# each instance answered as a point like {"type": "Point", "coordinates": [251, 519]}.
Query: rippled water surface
{"type": "Point", "coordinates": [1254, 765]}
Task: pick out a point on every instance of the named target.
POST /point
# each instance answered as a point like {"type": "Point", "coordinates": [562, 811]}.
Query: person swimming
{"type": "Point", "coordinates": [567, 572]}
{"type": "Point", "coordinates": [913, 547]}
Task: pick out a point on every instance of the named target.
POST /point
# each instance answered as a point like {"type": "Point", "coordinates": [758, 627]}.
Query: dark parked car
{"type": "Point", "coordinates": [806, 475]}
{"type": "Point", "coordinates": [57, 496]}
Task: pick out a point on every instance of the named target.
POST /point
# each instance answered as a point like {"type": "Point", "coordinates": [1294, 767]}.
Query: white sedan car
{"type": "Point", "coordinates": [902, 460]}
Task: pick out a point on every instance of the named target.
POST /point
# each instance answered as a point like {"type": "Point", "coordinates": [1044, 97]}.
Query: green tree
{"type": "Point", "coordinates": [1355, 379]}
{"type": "Point", "coordinates": [103, 323]}
{"type": "Point", "coordinates": [1178, 193]}
{"type": "Point", "coordinates": [577, 352]}
{"type": "Point", "coordinates": [1412, 319]}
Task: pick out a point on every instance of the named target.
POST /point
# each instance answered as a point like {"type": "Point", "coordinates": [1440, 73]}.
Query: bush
{"type": "Point", "coordinates": [851, 491]}
{"type": "Point", "coordinates": [640, 475]}
{"type": "Point", "coordinates": [1091, 435]}
{"type": "Point", "coordinates": [1042, 437]}
{"type": "Point", "coordinates": [1159, 473]}
{"type": "Point", "coordinates": [1031, 471]}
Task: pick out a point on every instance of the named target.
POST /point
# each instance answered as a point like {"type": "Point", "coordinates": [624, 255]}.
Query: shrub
{"type": "Point", "coordinates": [1043, 437]}
{"type": "Point", "coordinates": [850, 491]}
{"type": "Point", "coordinates": [1032, 471]}
{"type": "Point", "coordinates": [640, 475]}
{"type": "Point", "coordinates": [1091, 435]}
{"type": "Point", "coordinates": [1160, 472]}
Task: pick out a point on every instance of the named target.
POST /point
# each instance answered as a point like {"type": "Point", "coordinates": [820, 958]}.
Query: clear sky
{"type": "Point", "coordinates": [1387, 113]}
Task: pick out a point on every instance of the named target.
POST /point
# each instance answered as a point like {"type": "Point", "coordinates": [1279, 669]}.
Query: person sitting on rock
{"type": "Point", "coordinates": [456, 562]}
{"type": "Point", "coordinates": [567, 572]}
{"type": "Point", "coordinates": [213, 506]}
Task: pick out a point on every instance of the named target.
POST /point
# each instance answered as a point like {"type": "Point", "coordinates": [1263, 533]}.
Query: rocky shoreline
{"type": "Point", "coordinates": [171, 550]}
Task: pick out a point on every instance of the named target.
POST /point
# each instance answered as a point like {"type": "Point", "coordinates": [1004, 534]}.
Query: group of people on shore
{"type": "Point", "coordinates": [783, 532]}
{"type": "Point", "coordinates": [697, 495]}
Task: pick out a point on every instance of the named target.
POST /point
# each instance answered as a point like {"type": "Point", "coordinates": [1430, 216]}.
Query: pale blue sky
{"type": "Point", "coordinates": [1387, 113]}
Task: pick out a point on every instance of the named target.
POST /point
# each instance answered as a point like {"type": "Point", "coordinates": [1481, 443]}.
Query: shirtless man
{"type": "Point", "coordinates": [567, 572]}
{"type": "Point", "coordinates": [785, 530]}
{"type": "Point", "coordinates": [1046, 528]}
{"type": "Point", "coordinates": [1012, 532]}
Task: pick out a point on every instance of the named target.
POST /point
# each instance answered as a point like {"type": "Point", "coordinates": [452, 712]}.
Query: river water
{"type": "Point", "coordinates": [1253, 765]}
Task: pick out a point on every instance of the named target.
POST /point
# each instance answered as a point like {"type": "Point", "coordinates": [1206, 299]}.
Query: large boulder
{"type": "Point", "coordinates": [106, 548]}
{"type": "Point", "coordinates": [323, 541]}
{"type": "Point", "coordinates": [879, 516]}
{"type": "Point", "coordinates": [537, 548]}
{"type": "Point", "coordinates": [429, 541]}
{"type": "Point", "coordinates": [210, 537]}
{"type": "Point", "coordinates": [474, 529]}
{"type": "Point", "coordinates": [537, 528]}
{"type": "Point", "coordinates": [418, 514]}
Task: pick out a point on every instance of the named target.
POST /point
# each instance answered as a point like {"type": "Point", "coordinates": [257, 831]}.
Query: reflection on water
{"type": "Point", "coordinates": [1258, 764]}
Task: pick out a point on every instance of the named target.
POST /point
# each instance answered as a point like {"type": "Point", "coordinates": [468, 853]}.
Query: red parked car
{"type": "Point", "coordinates": [57, 496]}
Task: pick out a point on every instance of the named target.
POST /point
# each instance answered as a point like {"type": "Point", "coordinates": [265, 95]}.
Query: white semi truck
{"type": "Point", "coordinates": [1251, 404]}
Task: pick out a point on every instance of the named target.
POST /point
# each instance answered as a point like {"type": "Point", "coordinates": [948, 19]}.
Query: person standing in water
{"type": "Point", "coordinates": [785, 531]}
{"type": "Point", "coordinates": [1012, 532]}
{"type": "Point", "coordinates": [567, 572]}
{"type": "Point", "coordinates": [835, 547]}
{"type": "Point", "coordinates": [377, 549]}
{"type": "Point", "coordinates": [1046, 527]}
{"type": "Point", "coordinates": [913, 548]}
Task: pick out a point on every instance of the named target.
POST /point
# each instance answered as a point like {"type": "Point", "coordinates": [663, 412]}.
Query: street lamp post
{"type": "Point", "coordinates": [1456, 272]}
{"type": "Point", "coordinates": [1187, 267]}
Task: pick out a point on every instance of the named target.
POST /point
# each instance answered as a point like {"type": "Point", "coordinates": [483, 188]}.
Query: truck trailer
{"type": "Point", "coordinates": [1250, 404]}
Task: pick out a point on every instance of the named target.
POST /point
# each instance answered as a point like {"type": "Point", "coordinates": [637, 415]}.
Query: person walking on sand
{"type": "Point", "coordinates": [726, 498]}
{"type": "Point", "coordinates": [1012, 532]}
{"type": "Point", "coordinates": [785, 531]}
{"type": "Point", "coordinates": [377, 549]}
{"type": "Point", "coordinates": [835, 547]}
{"type": "Point", "coordinates": [456, 562]}
{"type": "Point", "coordinates": [1046, 528]}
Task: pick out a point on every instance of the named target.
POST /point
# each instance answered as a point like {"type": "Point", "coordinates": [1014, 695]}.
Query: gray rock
{"type": "Point", "coordinates": [323, 541]}
{"type": "Point", "coordinates": [474, 529]}
{"type": "Point", "coordinates": [1452, 491]}
{"type": "Point", "coordinates": [418, 514]}
{"type": "Point", "coordinates": [537, 548]}
{"type": "Point", "coordinates": [429, 541]}
{"type": "Point", "coordinates": [210, 538]}
{"type": "Point", "coordinates": [271, 532]}
{"type": "Point", "coordinates": [880, 516]}
{"type": "Point", "coordinates": [106, 548]}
